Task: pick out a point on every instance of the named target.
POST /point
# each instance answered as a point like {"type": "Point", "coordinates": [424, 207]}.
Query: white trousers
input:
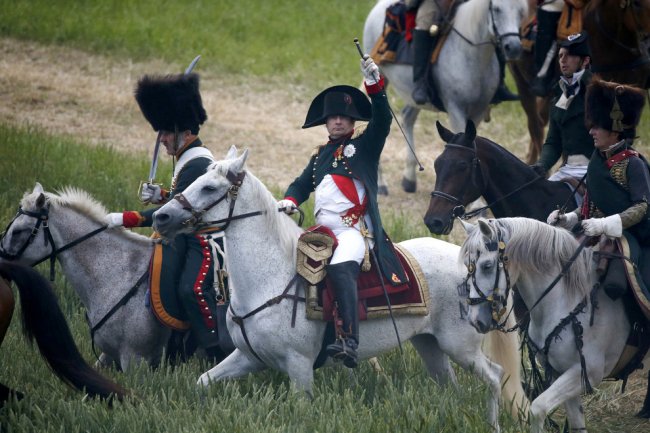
{"type": "Point", "coordinates": [352, 246]}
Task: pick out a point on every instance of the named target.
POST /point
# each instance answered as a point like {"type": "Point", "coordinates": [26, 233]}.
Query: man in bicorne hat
{"type": "Point", "coordinates": [618, 179]}
{"type": "Point", "coordinates": [343, 174]}
{"type": "Point", "coordinates": [568, 137]}
{"type": "Point", "coordinates": [182, 266]}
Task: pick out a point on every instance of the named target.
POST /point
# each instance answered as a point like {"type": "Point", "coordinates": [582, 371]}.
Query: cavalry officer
{"type": "Point", "coordinates": [618, 179]}
{"type": "Point", "coordinates": [183, 266]}
{"type": "Point", "coordinates": [343, 173]}
{"type": "Point", "coordinates": [429, 16]}
{"type": "Point", "coordinates": [568, 137]}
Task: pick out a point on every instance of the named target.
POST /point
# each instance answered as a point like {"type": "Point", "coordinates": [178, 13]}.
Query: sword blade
{"type": "Point", "coordinates": [154, 160]}
{"type": "Point", "coordinates": [193, 64]}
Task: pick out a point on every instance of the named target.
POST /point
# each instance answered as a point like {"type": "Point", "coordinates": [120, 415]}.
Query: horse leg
{"type": "Point", "coordinates": [105, 361]}
{"type": "Point", "coordinates": [575, 414]}
{"type": "Point", "coordinates": [382, 187]}
{"type": "Point", "coordinates": [301, 374]}
{"type": "Point", "coordinates": [237, 364]}
{"type": "Point", "coordinates": [567, 386]}
{"type": "Point", "coordinates": [435, 360]}
{"type": "Point", "coordinates": [409, 115]}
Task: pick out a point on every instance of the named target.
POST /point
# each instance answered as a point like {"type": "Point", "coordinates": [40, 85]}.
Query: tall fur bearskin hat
{"type": "Point", "coordinates": [614, 107]}
{"type": "Point", "coordinates": [171, 102]}
{"type": "Point", "coordinates": [342, 100]}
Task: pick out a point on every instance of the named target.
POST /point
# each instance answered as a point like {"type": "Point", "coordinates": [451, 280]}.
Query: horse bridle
{"type": "Point", "coordinates": [498, 36]}
{"type": "Point", "coordinates": [496, 300]}
{"type": "Point", "coordinates": [196, 220]}
{"type": "Point", "coordinates": [42, 220]}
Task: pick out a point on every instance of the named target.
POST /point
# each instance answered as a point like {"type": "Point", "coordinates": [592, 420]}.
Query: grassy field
{"type": "Point", "coordinates": [308, 43]}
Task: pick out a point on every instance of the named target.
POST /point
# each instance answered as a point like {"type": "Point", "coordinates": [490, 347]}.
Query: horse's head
{"type": "Point", "coordinates": [487, 285]}
{"type": "Point", "coordinates": [506, 17]}
{"type": "Point", "coordinates": [458, 179]}
{"type": "Point", "coordinates": [27, 228]}
{"type": "Point", "coordinates": [636, 15]}
{"type": "Point", "coordinates": [208, 201]}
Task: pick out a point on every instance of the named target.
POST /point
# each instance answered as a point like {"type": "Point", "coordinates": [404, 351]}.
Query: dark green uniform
{"type": "Point", "coordinates": [362, 165]}
{"type": "Point", "coordinates": [567, 133]}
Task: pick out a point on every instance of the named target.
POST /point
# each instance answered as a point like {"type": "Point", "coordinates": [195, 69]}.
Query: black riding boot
{"type": "Point", "coordinates": [344, 278]}
{"type": "Point", "coordinates": [503, 94]}
{"type": "Point", "coordinates": [615, 280]}
{"type": "Point", "coordinates": [423, 43]}
{"type": "Point", "coordinates": [546, 35]}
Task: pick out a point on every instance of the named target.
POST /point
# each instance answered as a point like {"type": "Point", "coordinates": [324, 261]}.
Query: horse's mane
{"type": "Point", "coordinates": [513, 160]}
{"type": "Point", "coordinates": [536, 247]}
{"type": "Point", "coordinates": [277, 222]}
{"type": "Point", "coordinates": [81, 202]}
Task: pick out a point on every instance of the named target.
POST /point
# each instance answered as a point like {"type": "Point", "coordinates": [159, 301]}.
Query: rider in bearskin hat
{"type": "Point", "coordinates": [182, 292]}
{"type": "Point", "coordinates": [343, 175]}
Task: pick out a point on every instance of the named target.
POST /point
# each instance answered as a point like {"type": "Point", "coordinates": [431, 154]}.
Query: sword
{"type": "Point", "coordinates": [156, 148]}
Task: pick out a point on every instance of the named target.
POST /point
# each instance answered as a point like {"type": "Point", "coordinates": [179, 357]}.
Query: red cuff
{"type": "Point", "coordinates": [293, 200]}
{"type": "Point", "coordinates": [132, 219]}
{"type": "Point", "coordinates": [375, 88]}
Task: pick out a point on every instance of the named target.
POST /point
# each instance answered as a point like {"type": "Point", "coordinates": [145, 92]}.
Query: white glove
{"type": "Point", "coordinates": [115, 219]}
{"type": "Point", "coordinates": [287, 206]}
{"type": "Point", "coordinates": [611, 226]}
{"type": "Point", "coordinates": [369, 70]}
{"type": "Point", "coordinates": [565, 220]}
{"type": "Point", "coordinates": [151, 193]}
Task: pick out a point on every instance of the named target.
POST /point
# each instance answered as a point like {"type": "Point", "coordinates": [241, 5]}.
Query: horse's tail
{"type": "Point", "coordinates": [43, 320]}
{"type": "Point", "coordinates": [504, 349]}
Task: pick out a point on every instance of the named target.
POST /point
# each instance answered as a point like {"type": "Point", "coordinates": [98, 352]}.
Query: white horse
{"type": "Point", "coordinates": [261, 262]}
{"type": "Point", "coordinates": [104, 270]}
{"type": "Point", "coordinates": [467, 71]}
{"type": "Point", "coordinates": [536, 253]}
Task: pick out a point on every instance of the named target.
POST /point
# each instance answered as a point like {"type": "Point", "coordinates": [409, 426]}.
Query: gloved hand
{"type": "Point", "coordinates": [565, 220]}
{"type": "Point", "coordinates": [539, 169]}
{"type": "Point", "coordinates": [287, 206]}
{"type": "Point", "coordinates": [611, 226]}
{"type": "Point", "coordinates": [151, 193]}
{"type": "Point", "coordinates": [369, 70]}
{"type": "Point", "coordinates": [115, 219]}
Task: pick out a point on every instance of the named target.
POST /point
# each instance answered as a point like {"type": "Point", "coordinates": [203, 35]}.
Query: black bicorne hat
{"type": "Point", "coordinates": [171, 102]}
{"type": "Point", "coordinates": [614, 107]}
{"type": "Point", "coordinates": [577, 44]}
{"type": "Point", "coordinates": [338, 100]}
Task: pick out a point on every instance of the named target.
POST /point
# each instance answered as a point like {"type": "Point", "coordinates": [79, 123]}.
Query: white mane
{"type": "Point", "coordinates": [277, 222]}
{"type": "Point", "coordinates": [536, 247]}
{"type": "Point", "coordinates": [80, 201]}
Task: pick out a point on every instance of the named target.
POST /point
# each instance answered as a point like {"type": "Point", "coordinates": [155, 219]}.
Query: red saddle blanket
{"type": "Point", "coordinates": [410, 298]}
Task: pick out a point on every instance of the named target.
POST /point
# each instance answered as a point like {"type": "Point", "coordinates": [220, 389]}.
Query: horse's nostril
{"type": "Point", "coordinates": [161, 219]}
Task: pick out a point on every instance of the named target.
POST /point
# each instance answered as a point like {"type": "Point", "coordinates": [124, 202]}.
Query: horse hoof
{"type": "Point", "coordinates": [408, 185]}
{"type": "Point", "coordinates": [382, 190]}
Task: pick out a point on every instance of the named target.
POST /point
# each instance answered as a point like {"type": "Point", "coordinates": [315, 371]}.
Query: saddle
{"type": "Point", "coordinates": [315, 249]}
{"type": "Point", "coordinates": [393, 45]}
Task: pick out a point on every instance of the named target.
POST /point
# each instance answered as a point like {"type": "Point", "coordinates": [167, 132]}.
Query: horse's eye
{"type": "Point", "coordinates": [462, 165]}
{"type": "Point", "coordinates": [487, 266]}
{"type": "Point", "coordinates": [209, 188]}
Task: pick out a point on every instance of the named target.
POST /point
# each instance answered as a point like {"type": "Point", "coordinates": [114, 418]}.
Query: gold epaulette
{"type": "Point", "coordinates": [317, 150]}
{"type": "Point", "coordinates": [619, 173]}
{"type": "Point", "coordinates": [359, 130]}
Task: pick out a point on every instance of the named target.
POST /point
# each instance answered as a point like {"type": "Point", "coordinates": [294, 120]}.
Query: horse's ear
{"type": "Point", "coordinates": [40, 201]}
{"type": "Point", "coordinates": [232, 152]}
{"type": "Point", "coordinates": [470, 130]}
{"type": "Point", "coordinates": [485, 228]}
{"type": "Point", "coordinates": [38, 188]}
{"type": "Point", "coordinates": [238, 163]}
{"type": "Point", "coordinates": [469, 227]}
{"type": "Point", "coordinates": [444, 133]}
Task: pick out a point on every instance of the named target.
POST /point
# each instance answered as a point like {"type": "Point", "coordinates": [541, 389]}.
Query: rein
{"type": "Point", "coordinates": [196, 220]}
{"type": "Point", "coordinates": [239, 320]}
{"type": "Point", "coordinates": [42, 218]}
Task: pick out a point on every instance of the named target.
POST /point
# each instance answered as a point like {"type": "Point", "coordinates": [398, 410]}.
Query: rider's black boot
{"type": "Point", "coordinates": [546, 35]}
{"type": "Point", "coordinates": [615, 280]}
{"type": "Point", "coordinates": [423, 43]}
{"type": "Point", "coordinates": [343, 277]}
{"type": "Point", "coordinates": [503, 94]}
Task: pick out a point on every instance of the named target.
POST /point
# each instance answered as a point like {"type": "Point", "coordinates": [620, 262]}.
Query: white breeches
{"type": "Point", "coordinates": [553, 5]}
{"type": "Point", "coordinates": [352, 246]}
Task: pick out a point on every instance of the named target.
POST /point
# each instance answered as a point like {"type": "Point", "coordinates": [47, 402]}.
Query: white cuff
{"type": "Point", "coordinates": [613, 226]}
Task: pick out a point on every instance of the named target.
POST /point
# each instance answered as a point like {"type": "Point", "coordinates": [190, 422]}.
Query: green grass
{"type": "Point", "coordinates": [310, 41]}
{"type": "Point", "coordinates": [404, 399]}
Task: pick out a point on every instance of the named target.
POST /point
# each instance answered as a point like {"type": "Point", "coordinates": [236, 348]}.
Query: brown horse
{"type": "Point", "coordinates": [43, 321]}
{"type": "Point", "coordinates": [616, 29]}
